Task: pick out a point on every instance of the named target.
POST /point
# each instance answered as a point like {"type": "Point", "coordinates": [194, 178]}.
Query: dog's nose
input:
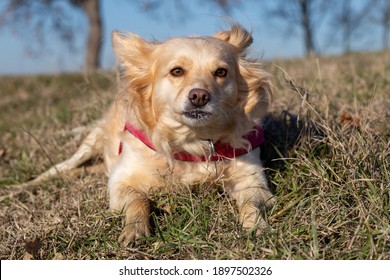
{"type": "Point", "coordinates": [199, 97]}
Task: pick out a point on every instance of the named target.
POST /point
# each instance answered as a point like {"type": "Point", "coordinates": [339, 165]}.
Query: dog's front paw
{"type": "Point", "coordinates": [136, 207]}
{"type": "Point", "coordinates": [133, 233]}
{"type": "Point", "coordinates": [252, 220]}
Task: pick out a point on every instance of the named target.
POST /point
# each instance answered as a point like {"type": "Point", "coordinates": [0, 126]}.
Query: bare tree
{"type": "Point", "coordinates": [350, 20]}
{"type": "Point", "coordinates": [307, 25]}
{"type": "Point", "coordinates": [346, 19]}
{"type": "Point", "coordinates": [95, 34]}
{"type": "Point", "coordinates": [305, 15]}
{"type": "Point", "coordinates": [386, 23]}
{"type": "Point", "coordinates": [41, 16]}
{"type": "Point", "coordinates": [382, 17]}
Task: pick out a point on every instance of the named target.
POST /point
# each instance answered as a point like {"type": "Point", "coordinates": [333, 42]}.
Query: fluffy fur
{"type": "Point", "coordinates": [154, 95]}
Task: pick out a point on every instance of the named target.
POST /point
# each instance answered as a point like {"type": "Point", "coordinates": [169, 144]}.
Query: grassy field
{"type": "Point", "coordinates": [327, 155]}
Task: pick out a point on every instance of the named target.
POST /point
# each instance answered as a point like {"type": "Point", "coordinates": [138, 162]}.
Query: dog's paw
{"type": "Point", "coordinates": [132, 234]}
{"type": "Point", "coordinates": [270, 201]}
{"type": "Point", "coordinates": [257, 227]}
{"type": "Point", "coordinates": [252, 220]}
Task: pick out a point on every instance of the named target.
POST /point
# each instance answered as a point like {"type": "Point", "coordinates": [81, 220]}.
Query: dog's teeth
{"type": "Point", "coordinates": [196, 114]}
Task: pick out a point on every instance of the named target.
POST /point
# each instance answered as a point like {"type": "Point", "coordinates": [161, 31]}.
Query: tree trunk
{"type": "Point", "coordinates": [386, 27]}
{"type": "Point", "coordinates": [346, 20]}
{"type": "Point", "coordinates": [95, 34]}
{"type": "Point", "coordinates": [307, 28]}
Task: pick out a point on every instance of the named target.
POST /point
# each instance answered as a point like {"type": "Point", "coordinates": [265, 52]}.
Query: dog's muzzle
{"type": "Point", "coordinates": [198, 110]}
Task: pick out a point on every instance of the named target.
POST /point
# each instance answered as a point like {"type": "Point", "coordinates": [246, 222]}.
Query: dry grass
{"type": "Point", "coordinates": [327, 154]}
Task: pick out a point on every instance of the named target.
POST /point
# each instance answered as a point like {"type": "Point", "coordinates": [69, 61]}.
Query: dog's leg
{"type": "Point", "coordinates": [90, 147]}
{"type": "Point", "coordinates": [251, 193]}
{"type": "Point", "coordinates": [136, 207]}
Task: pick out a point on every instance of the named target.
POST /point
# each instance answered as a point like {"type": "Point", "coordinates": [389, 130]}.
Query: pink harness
{"type": "Point", "coordinates": [220, 150]}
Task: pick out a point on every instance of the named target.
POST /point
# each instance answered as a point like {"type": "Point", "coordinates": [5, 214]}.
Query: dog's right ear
{"type": "Point", "coordinates": [131, 50]}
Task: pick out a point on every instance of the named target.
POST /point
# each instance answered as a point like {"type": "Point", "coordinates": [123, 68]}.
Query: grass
{"type": "Point", "coordinates": [327, 156]}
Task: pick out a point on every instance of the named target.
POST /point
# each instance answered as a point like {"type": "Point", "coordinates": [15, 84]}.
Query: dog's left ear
{"type": "Point", "coordinates": [236, 36]}
{"type": "Point", "coordinates": [255, 90]}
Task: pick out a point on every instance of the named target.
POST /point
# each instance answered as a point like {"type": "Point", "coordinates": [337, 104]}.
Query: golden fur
{"type": "Point", "coordinates": [154, 86]}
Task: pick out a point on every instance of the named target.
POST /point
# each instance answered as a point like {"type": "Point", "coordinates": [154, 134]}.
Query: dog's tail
{"type": "Point", "coordinates": [91, 147]}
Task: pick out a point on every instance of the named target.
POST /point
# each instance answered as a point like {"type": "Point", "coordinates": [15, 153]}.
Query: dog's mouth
{"type": "Point", "coordinates": [196, 117]}
{"type": "Point", "coordinates": [197, 114]}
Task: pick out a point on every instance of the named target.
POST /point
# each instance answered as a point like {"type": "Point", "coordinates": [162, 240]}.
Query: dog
{"type": "Point", "coordinates": [189, 108]}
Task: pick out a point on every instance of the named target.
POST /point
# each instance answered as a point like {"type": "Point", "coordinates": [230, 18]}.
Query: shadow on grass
{"type": "Point", "coordinates": [283, 132]}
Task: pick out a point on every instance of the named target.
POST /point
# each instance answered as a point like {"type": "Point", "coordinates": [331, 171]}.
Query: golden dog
{"type": "Point", "coordinates": [190, 108]}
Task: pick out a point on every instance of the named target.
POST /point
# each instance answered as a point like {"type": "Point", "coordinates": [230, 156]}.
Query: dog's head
{"type": "Point", "coordinates": [188, 89]}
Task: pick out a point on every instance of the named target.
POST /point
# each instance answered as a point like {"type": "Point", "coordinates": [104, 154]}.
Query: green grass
{"type": "Point", "coordinates": [327, 159]}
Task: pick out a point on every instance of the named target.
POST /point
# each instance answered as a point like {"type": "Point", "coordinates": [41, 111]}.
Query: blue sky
{"type": "Point", "coordinates": [270, 41]}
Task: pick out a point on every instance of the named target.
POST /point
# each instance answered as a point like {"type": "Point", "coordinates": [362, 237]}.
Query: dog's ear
{"type": "Point", "coordinates": [236, 36]}
{"type": "Point", "coordinates": [134, 57]}
{"type": "Point", "coordinates": [131, 50]}
{"type": "Point", "coordinates": [256, 90]}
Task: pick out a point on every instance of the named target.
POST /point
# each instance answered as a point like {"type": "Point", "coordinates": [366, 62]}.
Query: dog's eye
{"type": "Point", "coordinates": [177, 72]}
{"type": "Point", "coordinates": [221, 72]}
